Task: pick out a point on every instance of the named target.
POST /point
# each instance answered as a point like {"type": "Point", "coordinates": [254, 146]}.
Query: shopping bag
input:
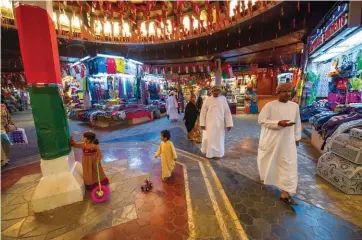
{"type": "Point", "coordinates": [18, 136]}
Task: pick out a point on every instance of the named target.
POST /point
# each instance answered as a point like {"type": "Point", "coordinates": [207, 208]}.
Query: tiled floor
{"type": "Point", "coordinates": [128, 214]}
{"type": "Point", "coordinates": [218, 200]}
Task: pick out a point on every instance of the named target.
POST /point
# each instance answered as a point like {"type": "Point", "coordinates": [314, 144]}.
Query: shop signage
{"type": "Point", "coordinates": [335, 23]}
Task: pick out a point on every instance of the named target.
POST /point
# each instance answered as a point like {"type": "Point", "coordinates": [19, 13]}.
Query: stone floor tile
{"type": "Point", "coordinates": [162, 213]}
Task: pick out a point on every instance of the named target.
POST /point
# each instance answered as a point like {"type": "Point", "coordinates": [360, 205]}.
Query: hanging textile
{"type": "Point", "coordinates": [120, 65]}
{"type": "Point", "coordinates": [120, 88]}
{"type": "Point", "coordinates": [101, 65]}
{"type": "Point", "coordinates": [111, 66]}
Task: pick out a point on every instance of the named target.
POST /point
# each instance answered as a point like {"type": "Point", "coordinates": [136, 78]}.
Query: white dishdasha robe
{"type": "Point", "coordinates": [277, 152]}
{"type": "Point", "coordinates": [215, 112]}
{"type": "Point", "coordinates": [171, 108]}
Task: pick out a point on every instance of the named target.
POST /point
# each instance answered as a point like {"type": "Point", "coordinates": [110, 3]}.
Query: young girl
{"type": "Point", "coordinates": [92, 155]}
{"type": "Point", "coordinates": [168, 154]}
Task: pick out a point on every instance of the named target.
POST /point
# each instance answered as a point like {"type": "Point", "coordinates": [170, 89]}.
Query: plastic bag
{"type": "Point", "coordinates": [18, 136]}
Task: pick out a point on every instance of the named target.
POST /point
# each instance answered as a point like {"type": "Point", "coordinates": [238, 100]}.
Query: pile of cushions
{"type": "Point", "coordinates": [342, 165]}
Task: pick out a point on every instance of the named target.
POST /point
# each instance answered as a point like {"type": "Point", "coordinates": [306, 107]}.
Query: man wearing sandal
{"type": "Point", "coordinates": [277, 152]}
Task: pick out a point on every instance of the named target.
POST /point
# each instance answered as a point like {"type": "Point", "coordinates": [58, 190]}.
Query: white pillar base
{"type": "Point", "coordinates": [62, 184]}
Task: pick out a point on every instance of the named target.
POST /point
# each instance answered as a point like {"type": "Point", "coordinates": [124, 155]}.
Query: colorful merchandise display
{"type": "Point", "coordinates": [326, 118]}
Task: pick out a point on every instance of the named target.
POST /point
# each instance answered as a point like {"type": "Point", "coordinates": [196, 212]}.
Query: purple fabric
{"type": "Point", "coordinates": [354, 97]}
{"type": "Point", "coordinates": [333, 123]}
{"type": "Point", "coordinates": [333, 97]}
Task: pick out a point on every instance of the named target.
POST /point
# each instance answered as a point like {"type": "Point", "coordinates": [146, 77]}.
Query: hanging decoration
{"type": "Point", "coordinates": [205, 17]}
{"type": "Point", "coordinates": [13, 80]}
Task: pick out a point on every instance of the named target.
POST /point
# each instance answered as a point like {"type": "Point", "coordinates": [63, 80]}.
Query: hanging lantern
{"type": "Point", "coordinates": [293, 22]}
{"type": "Point", "coordinates": [193, 68]}
{"type": "Point", "coordinates": [201, 67]}
{"type": "Point", "coordinates": [187, 69]}
{"type": "Point", "coordinates": [308, 7]}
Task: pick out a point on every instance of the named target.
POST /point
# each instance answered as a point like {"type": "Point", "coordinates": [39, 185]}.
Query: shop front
{"type": "Point", "coordinates": [332, 95]}
{"type": "Point", "coordinates": [333, 81]}
{"type": "Point", "coordinates": [110, 91]}
{"type": "Point", "coordinates": [13, 91]}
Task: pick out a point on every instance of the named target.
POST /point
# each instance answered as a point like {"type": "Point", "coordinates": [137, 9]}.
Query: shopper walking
{"type": "Point", "coordinates": [214, 113]}
{"type": "Point", "coordinates": [199, 102]}
{"type": "Point", "coordinates": [280, 134]}
{"type": "Point", "coordinates": [7, 126]}
{"type": "Point", "coordinates": [191, 121]}
{"type": "Point", "coordinates": [168, 155]}
{"type": "Point", "coordinates": [171, 107]}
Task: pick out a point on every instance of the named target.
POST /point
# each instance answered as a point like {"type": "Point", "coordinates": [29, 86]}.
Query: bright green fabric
{"type": "Point", "coordinates": [50, 121]}
{"type": "Point", "coordinates": [356, 84]}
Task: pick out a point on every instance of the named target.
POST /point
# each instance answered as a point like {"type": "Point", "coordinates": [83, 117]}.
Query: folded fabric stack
{"type": "Point", "coordinates": [334, 122]}
{"type": "Point", "coordinates": [76, 114]}
{"type": "Point", "coordinates": [93, 114]}
{"type": "Point", "coordinates": [313, 109]}
{"type": "Point", "coordinates": [342, 165]}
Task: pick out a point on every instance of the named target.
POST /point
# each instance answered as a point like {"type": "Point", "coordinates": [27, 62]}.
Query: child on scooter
{"type": "Point", "coordinates": [92, 155]}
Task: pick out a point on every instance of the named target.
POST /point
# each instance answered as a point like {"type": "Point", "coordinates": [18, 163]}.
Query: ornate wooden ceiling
{"type": "Point", "coordinates": [285, 20]}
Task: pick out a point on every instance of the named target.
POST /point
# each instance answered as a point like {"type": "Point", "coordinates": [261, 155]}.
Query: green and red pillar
{"type": "Point", "coordinates": [61, 183]}
{"type": "Point", "coordinates": [39, 50]}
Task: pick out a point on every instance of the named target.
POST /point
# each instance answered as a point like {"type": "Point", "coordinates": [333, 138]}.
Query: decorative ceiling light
{"type": "Point", "coordinates": [159, 31]}
{"type": "Point", "coordinates": [6, 4]}
{"type": "Point", "coordinates": [195, 23]}
{"type": "Point", "coordinates": [232, 6]}
{"type": "Point", "coordinates": [6, 9]}
{"type": "Point", "coordinates": [246, 3]}
{"type": "Point", "coordinates": [203, 17]}
{"type": "Point", "coordinates": [54, 18]}
{"type": "Point", "coordinates": [125, 30]}
{"type": "Point", "coordinates": [115, 29]}
{"type": "Point", "coordinates": [143, 29]}
{"type": "Point", "coordinates": [186, 23]}
{"type": "Point", "coordinates": [64, 20]}
{"type": "Point", "coordinates": [169, 26]}
{"type": "Point", "coordinates": [151, 29]}
{"type": "Point", "coordinates": [107, 28]}
{"type": "Point", "coordinates": [76, 23]}
{"type": "Point", "coordinates": [97, 27]}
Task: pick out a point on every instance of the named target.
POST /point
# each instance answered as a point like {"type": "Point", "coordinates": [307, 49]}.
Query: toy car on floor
{"type": "Point", "coordinates": [147, 186]}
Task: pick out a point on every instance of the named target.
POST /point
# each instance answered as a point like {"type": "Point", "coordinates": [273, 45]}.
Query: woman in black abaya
{"type": "Point", "coordinates": [191, 121]}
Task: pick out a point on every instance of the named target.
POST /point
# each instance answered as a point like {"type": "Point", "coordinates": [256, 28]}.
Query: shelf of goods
{"type": "Point", "coordinates": [127, 114]}
{"type": "Point", "coordinates": [326, 118]}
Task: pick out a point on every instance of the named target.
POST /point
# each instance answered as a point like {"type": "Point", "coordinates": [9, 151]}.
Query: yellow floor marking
{"type": "Point", "coordinates": [228, 205]}
{"type": "Point", "coordinates": [219, 187]}
{"type": "Point", "coordinates": [190, 215]}
{"type": "Point", "coordinates": [215, 205]}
